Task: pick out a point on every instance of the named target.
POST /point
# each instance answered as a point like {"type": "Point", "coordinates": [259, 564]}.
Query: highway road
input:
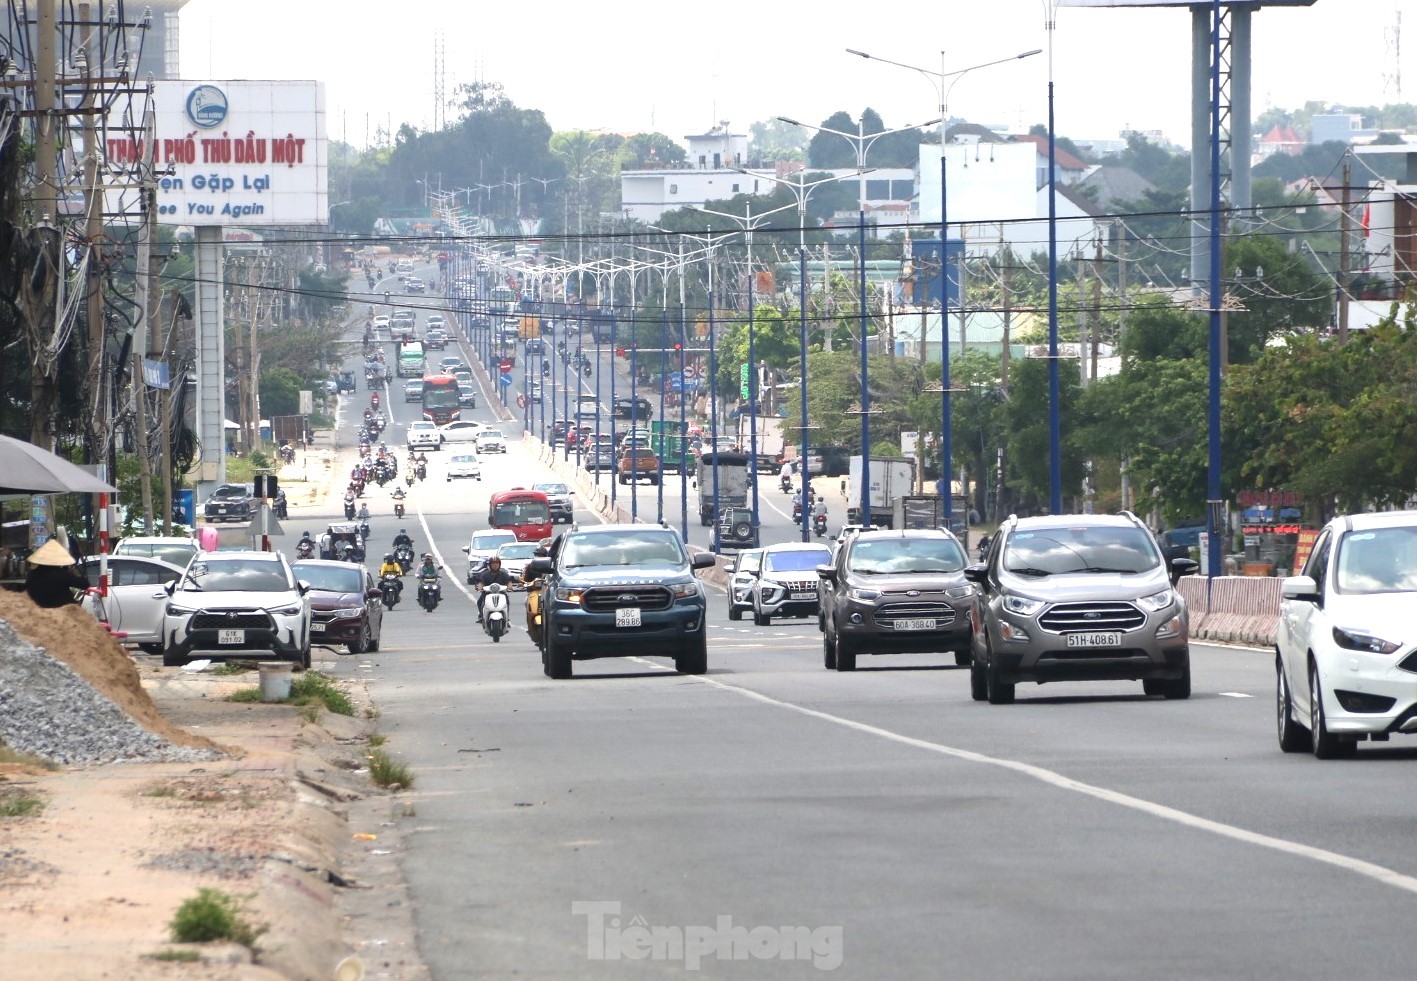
{"type": "Point", "coordinates": [775, 819]}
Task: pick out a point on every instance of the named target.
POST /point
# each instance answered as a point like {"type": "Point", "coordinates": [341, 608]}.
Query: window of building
{"type": "Point", "coordinates": [735, 188]}
{"type": "Point", "coordinates": [673, 188]}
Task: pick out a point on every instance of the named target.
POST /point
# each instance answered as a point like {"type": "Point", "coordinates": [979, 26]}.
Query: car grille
{"type": "Point", "coordinates": [235, 619]}
{"type": "Point", "coordinates": [943, 613]}
{"type": "Point", "coordinates": [1066, 617]}
{"type": "Point", "coordinates": [796, 585]}
{"type": "Point", "coordinates": [606, 599]}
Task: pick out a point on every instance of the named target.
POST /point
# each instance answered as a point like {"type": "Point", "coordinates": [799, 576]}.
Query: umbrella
{"type": "Point", "coordinates": [27, 469]}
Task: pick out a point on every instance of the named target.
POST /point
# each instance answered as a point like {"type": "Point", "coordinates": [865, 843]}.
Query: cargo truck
{"type": "Point", "coordinates": [732, 470]}
{"type": "Point", "coordinates": [671, 444]}
{"type": "Point", "coordinates": [892, 477]}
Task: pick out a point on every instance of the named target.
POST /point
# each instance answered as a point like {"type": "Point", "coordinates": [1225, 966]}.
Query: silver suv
{"type": "Point", "coordinates": [786, 585]}
{"type": "Point", "coordinates": [742, 571]}
{"type": "Point", "coordinates": [1078, 598]}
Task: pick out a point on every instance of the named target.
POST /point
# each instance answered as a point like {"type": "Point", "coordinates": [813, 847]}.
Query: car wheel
{"type": "Point", "coordinates": [996, 689]}
{"type": "Point", "coordinates": [846, 653]}
{"type": "Point", "coordinates": [374, 639]}
{"type": "Point", "coordinates": [362, 644]}
{"type": "Point", "coordinates": [734, 613]}
{"type": "Point", "coordinates": [1179, 688]}
{"type": "Point", "coordinates": [742, 530]}
{"type": "Point", "coordinates": [829, 652]}
{"type": "Point", "coordinates": [963, 659]}
{"type": "Point", "coordinates": [1326, 746]}
{"type": "Point", "coordinates": [150, 648]}
{"type": "Point", "coordinates": [978, 684]}
{"type": "Point", "coordinates": [694, 659]}
{"type": "Point", "coordinates": [171, 659]}
{"type": "Point", "coordinates": [558, 660]}
{"type": "Point", "coordinates": [761, 619]}
{"type": "Point", "coordinates": [304, 659]}
{"type": "Point", "coordinates": [1293, 738]}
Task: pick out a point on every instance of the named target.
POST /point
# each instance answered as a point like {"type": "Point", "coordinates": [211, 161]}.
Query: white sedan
{"type": "Point", "coordinates": [491, 441]}
{"type": "Point", "coordinates": [462, 431]}
{"type": "Point", "coordinates": [464, 465]}
{"type": "Point", "coordinates": [135, 603]}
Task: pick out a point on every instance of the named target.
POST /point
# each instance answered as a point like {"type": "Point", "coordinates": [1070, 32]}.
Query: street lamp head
{"type": "Point", "coordinates": [793, 122]}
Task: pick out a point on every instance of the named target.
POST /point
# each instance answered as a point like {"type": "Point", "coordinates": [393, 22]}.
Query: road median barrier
{"type": "Point", "coordinates": [1233, 609]}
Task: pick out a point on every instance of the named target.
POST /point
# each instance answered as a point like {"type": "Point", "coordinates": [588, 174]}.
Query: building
{"type": "Point", "coordinates": [1339, 127]}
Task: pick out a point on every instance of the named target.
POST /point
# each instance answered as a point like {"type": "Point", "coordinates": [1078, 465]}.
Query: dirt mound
{"type": "Point", "coordinates": [74, 637]}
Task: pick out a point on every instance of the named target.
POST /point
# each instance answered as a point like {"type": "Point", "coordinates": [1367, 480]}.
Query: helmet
{"type": "Point", "coordinates": [403, 531]}
{"type": "Point", "coordinates": [388, 556]}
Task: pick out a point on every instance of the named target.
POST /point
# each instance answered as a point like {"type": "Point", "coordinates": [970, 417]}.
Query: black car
{"type": "Point", "coordinates": [618, 591]}
{"type": "Point", "coordinates": [632, 408]}
{"type": "Point", "coordinates": [736, 528]}
{"type": "Point", "coordinates": [230, 502]}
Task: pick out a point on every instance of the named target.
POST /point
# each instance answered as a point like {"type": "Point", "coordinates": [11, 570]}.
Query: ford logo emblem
{"type": "Point", "coordinates": [1092, 615]}
{"type": "Point", "coordinates": [626, 597]}
{"type": "Point", "coordinates": [912, 592]}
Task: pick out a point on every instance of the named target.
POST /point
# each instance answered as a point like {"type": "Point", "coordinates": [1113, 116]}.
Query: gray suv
{"type": "Point", "coordinates": [896, 592]}
{"type": "Point", "coordinates": [1082, 597]}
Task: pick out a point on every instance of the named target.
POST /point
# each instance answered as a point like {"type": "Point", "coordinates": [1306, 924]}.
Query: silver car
{"type": "Point", "coordinates": [786, 585]}
{"type": "Point", "coordinates": [1078, 597]}
{"type": "Point", "coordinates": [742, 571]}
{"type": "Point", "coordinates": [135, 602]}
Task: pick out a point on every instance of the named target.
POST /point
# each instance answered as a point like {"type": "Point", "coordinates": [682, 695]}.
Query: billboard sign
{"type": "Point", "coordinates": [229, 153]}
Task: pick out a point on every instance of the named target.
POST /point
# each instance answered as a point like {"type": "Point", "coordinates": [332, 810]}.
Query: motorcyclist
{"type": "Point", "coordinates": [402, 539]}
{"type": "Point", "coordinates": [390, 567]}
{"type": "Point", "coordinates": [305, 542]}
{"type": "Point", "coordinates": [281, 507]}
{"type": "Point", "coordinates": [491, 572]}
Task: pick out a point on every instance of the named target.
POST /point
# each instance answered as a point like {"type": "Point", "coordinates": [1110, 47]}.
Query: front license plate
{"type": "Point", "coordinates": [804, 596]}
{"type": "Point", "coordinates": [627, 617]}
{"type": "Point", "coordinates": [915, 624]}
{"type": "Point", "coordinates": [1110, 639]}
{"type": "Point", "coordinates": [231, 636]}
{"type": "Point", "coordinates": [317, 628]}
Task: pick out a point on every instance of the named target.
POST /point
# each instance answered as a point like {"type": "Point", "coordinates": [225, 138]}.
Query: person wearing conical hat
{"type": "Point", "coordinates": [52, 577]}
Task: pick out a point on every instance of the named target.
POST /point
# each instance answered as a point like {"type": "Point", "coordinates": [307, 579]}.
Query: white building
{"type": "Point", "coordinates": [995, 200]}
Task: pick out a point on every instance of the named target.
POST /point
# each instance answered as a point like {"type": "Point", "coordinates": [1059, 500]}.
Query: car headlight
{"type": "Point", "coordinates": [863, 595]}
{"type": "Point", "coordinates": [567, 594]}
{"type": "Point", "coordinates": [959, 592]}
{"type": "Point", "coordinates": [1170, 628]}
{"type": "Point", "coordinates": [683, 590]}
{"type": "Point", "coordinates": [1022, 605]}
{"type": "Point", "coordinates": [353, 611]}
{"type": "Point", "coordinates": [294, 609]}
{"type": "Point", "coordinates": [173, 610]}
{"type": "Point", "coordinates": [1157, 602]}
{"type": "Point", "coordinates": [1358, 640]}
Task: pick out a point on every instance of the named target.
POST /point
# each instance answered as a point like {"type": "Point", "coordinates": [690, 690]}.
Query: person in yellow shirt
{"type": "Point", "coordinates": [390, 567]}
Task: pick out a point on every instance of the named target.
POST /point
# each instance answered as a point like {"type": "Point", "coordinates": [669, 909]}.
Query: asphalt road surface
{"type": "Point", "coordinates": [775, 819]}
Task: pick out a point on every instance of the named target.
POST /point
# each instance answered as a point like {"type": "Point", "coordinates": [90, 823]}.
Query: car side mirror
{"type": "Point", "coordinates": [1183, 567]}
{"type": "Point", "coordinates": [169, 588]}
{"type": "Point", "coordinates": [540, 566]}
{"type": "Point", "coordinates": [1300, 588]}
{"type": "Point", "coordinates": [466, 549]}
{"type": "Point", "coordinates": [373, 594]}
{"type": "Point", "coordinates": [977, 574]}
{"type": "Point", "coordinates": [303, 586]}
{"type": "Point", "coordinates": [826, 571]}
{"type": "Point", "coordinates": [703, 560]}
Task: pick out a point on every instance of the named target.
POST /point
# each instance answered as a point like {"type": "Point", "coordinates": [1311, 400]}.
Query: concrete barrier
{"type": "Point", "coordinates": [1233, 609]}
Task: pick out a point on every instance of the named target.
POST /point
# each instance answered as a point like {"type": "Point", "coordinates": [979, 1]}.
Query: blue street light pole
{"type": "Point", "coordinates": [713, 403]}
{"type": "Point", "coordinates": [1214, 529]}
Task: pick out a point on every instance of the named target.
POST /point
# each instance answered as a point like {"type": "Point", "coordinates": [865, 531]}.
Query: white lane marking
{"type": "Point", "coordinates": [433, 547]}
{"type": "Point", "coordinates": [1371, 870]}
{"type": "Point", "coordinates": [1233, 694]}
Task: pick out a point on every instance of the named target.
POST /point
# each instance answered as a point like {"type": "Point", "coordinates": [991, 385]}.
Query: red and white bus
{"type": "Point", "coordinates": [525, 513]}
{"type": "Point", "coordinates": [440, 399]}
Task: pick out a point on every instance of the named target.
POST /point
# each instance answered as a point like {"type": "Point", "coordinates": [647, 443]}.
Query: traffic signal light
{"type": "Point", "coordinates": [620, 352]}
{"type": "Point", "coordinates": [678, 346]}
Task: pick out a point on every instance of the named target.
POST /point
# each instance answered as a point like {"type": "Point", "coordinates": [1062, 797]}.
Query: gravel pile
{"type": "Point", "coordinates": [48, 711]}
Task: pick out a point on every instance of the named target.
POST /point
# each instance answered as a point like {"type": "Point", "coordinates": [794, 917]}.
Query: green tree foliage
{"type": "Point", "coordinates": [280, 392]}
{"type": "Point", "coordinates": [775, 341]}
{"type": "Point", "coordinates": [774, 140]}
{"type": "Point", "coordinates": [1027, 416]}
{"type": "Point", "coordinates": [834, 393]}
{"type": "Point", "coordinates": [829, 150]}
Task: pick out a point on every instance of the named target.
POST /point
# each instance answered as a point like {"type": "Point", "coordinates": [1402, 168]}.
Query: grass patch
{"type": "Point", "coordinates": [212, 915]}
{"type": "Point", "coordinates": [245, 695]}
{"type": "Point", "coordinates": [160, 790]}
{"type": "Point", "coordinates": [314, 688]}
{"type": "Point", "coordinates": [385, 772]}
{"type": "Point", "coordinates": [227, 668]}
{"type": "Point", "coordinates": [377, 739]}
{"type": "Point", "coordinates": [8, 755]}
{"type": "Point", "coordinates": [310, 713]}
{"type": "Point", "coordinates": [17, 803]}
{"type": "Point", "coordinates": [181, 955]}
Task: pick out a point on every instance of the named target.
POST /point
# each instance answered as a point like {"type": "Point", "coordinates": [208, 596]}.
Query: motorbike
{"type": "Point", "coordinates": [422, 471]}
{"type": "Point", "coordinates": [305, 549]}
{"type": "Point", "coordinates": [786, 484]}
{"type": "Point", "coordinates": [819, 524]}
{"type": "Point", "coordinates": [587, 370]}
{"type": "Point", "coordinates": [398, 510]}
{"type": "Point", "coordinates": [429, 592]}
{"type": "Point", "coordinates": [287, 453]}
{"type": "Point", "coordinates": [374, 401]}
{"type": "Point", "coordinates": [494, 611]}
{"type": "Point", "coordinates": [403, 555]}
{"type": "Point", "coordinates": [281, 507]}
{"type": "Point", "coordinates": [364, 528]}
{"type": "Point", "coordinates": [390, 586]}
{"type": "Point", "coordinates": [349, 507]}
{"type": "Point", "coordinates": [797, 511]}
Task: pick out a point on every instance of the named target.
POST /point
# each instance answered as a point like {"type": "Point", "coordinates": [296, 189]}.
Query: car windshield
{"type": "Point", "coordinates": [1380, 560]}
{"type": "Point", "coordinates": [229, 491]}
{"type": "Point", "coordinates": [344, 579]}
{"type": "Point", "coordinates": [465, 458]}
{"type": "Point", "coordinates": [236, 575]}
{"type": "Point", "coordinates": [177, 553]}
{"type": "Point", "coordinates": [622, 548]}
{"type": "Point", "coordinates": [551, 488]}
{"type": "Point", "coordinates": [796, 560]}
{"type": "Point", "coordinates": [514, 513]}
{"type": "Point", "coordinates": [1080, 548]}
{"type": "Point", "coordinates": [492, 540]}
{"type": "Point", "coordinates": [518, 551]}
{"type": "Point", "coordinates": [898, 556]}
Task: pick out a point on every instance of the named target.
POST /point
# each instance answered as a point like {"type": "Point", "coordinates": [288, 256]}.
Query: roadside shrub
{"type": "Point", "coordinates": [385, 772]}
{"type": "Point", "coordinates": [212, 915]}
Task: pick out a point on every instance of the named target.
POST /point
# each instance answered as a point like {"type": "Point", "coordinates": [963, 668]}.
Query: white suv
{"type": "Point", "coordinates": [491, 441]}
{"type": "Point", "coordinates": [786, 584]}
{"type": "Point", "coordinates": [423, 435]}
{"type": "Point", "coordinates": [1346, 667]}
{"type": "Point", "coordinates": [230, 602]}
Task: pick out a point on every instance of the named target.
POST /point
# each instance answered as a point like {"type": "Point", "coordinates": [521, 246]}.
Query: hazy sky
{"type": "Point", "coordinates": [636, 65]}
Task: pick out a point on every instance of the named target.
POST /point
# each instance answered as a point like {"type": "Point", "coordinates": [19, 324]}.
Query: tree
{"type": "Point", "coordinates": [280, 392]}
{"type": "Point", "coordinates": [774, 140]}
{"type": "Point", "coordinates": [1028, 440]}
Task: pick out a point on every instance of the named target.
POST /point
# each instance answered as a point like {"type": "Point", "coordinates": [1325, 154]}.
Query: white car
{"type": "Point", "coordinates": [413, 284]}
{"type": "Point", "coordinates": [462, 431]}
{"type": "Point", "coordinates": [230, 602]}
{"type": "Point", "coordinates": [136, 601]}
{"type": "Point", "coordinates": [1346, 670]}
{"type": "Point", "coordinates": [491, 441]}
{"type": "Point", "coordinates": [464, 465]}
{"type": "Point", "coordinates": [381, 322]}
{"type": "Point", "coordinates": [175, 549]}
{"type": "Point", "coordinates": [483, 546]}
{"type": "Point", "coordinates": [436, 320]}
{"type": "Point", "coordinates": [515, 556]}
{"type": "Point", "coordinates": [423, 435]}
